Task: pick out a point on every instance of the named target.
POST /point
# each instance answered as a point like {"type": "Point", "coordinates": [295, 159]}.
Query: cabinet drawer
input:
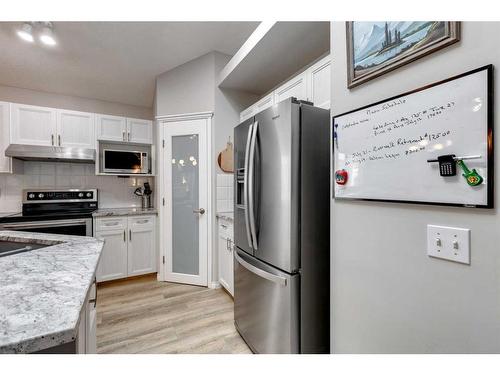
{"type": "Point", "coordinates": [111, 224]}
{"type": "Point", "coordinates": [141, 221]}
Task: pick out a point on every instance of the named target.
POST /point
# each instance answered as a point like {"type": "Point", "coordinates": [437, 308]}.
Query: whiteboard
{"type": "Point", "coordinates": [384, 147]}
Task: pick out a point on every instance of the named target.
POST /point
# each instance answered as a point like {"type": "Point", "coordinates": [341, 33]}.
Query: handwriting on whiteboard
{"type": "Point", "coordinates": [398, 146]}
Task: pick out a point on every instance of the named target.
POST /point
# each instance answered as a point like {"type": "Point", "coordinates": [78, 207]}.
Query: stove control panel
{"type": "Point", "coordinates": [60, 195]}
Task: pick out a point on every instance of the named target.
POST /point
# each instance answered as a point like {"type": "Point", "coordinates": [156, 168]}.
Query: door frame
{"type": "Point", "coordinates": [160, 182]}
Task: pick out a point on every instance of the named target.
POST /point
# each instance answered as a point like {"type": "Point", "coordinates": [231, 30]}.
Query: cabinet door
{"type": "Point", "coordinates": [225, 256]}
{"type": "Point", "coordinates": [141, 246]}
{"type": "Point", "coordinates": [295, 87]}
{"type": "Point", "coordinates": [139, 131]}
{"type": "Point", "coordinates": [113, 263]}
{"type": "Point", "coordinates": [111, 128]}
{"type": "Point", "coordinates": [5, 162]}
{"type": "Point", "coordinates": [75, 129]}
{"type": "Point", "coordinates": [31, 125]}
{"type": "Point", "coordinates": [247, 113]}
{"type": "Point", "coordinates": [266, 102]}
{"type": "Point", "coordinates": [319, 83]}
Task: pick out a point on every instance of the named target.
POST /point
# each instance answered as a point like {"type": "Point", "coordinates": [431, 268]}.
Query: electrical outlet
{"type": "Point", "coordinates": [448, 243]}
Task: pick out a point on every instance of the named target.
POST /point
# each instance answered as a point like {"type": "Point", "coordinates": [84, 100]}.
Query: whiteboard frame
{"type": "Point", "coordinates": [489, 137]}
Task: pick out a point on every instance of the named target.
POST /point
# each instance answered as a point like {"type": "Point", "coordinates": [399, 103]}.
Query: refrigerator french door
{"type": "Point", "coordinates": [281, 229]}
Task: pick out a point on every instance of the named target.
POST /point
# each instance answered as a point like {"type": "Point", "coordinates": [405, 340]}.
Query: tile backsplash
{"type": "Point", "coordinates": [113, 191]}
{"type": "Point", "coordinates": [225, 192]}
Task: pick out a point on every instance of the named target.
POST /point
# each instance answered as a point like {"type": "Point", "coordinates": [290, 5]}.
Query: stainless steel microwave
{"type": "Point", "coordinates": [124, 161]}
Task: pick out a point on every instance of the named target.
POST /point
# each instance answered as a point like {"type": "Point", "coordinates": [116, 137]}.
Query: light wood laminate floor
{"type": "Point", "coordinates": [143, 315]}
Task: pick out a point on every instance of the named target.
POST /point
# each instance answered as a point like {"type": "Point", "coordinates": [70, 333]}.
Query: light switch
{"type": "Point", "coordinates": [448, 243]}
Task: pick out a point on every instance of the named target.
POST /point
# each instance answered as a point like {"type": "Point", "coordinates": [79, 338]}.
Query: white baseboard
{"type": "Point", "coordinates": [214, 285]}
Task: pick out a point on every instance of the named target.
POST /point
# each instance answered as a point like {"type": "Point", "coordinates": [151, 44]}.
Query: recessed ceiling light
{"type": "Point", "coordinates": [47, 35]}
{"type": "Point", "coordinates": [26, 32]}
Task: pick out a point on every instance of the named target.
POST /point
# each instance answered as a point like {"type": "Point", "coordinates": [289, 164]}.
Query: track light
{"type": "Point", "coordinates": [47, 35]}
{"type": "Point", "coordinates": [26, 32]}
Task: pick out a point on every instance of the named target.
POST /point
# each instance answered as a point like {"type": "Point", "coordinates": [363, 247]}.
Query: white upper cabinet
{"type": "Point", "coordinates": [121, 129]}
{"type": "Point", "coordinates": [319, 83]}
{"type": "Point", "coordinates": [296, 87]}
{"type": "Point", "coordinates": [247, 113]}
{"type": "Point", "coordinates": [111, 128]}
{"type": "Point", "coordinates": [313, 85]}
{"type": "Point", "coordinates": [139, 131]}
{"type": "Point", "coordinates": [75, 129]}
{"type": "Point", "coordinates": [5, 162]}
{"type": "Point", "coordinates": [266, 102]}
{"type": "Point", "coordinates": [32, 125]}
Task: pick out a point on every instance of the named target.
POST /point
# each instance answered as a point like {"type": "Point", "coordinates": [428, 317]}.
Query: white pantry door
{"type": "Point", "coordinates": [186, 192]}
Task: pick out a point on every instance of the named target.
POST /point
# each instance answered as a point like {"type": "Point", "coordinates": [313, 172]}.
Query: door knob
{"type": "Point", "coordinates": [200, 211]}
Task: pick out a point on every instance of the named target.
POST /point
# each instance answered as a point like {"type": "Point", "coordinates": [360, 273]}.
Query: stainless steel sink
{"type": "Point", "coordinates": [15, 247]}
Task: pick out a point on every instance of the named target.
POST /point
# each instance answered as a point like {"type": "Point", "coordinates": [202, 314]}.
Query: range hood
{"type": "Point", "coordinates": [51, 153]}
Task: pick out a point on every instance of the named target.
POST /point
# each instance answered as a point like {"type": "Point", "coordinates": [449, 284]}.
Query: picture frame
{"type": "Point", "coordinates": [376, 48]}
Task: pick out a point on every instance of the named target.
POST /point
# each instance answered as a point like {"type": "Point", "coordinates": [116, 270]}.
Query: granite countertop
{"type": "Point", "coordinates": [42, 292]}
{"type": "Point", "coordinates": [229, 215]}
{"type": "Point", "coordinates": [126, 211]}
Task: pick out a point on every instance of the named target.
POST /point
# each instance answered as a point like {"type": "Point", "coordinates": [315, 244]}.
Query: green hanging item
{"type": "Point", "coordinates": [472, 177]}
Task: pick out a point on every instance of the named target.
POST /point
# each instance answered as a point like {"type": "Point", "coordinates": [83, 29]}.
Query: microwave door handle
{"type": "Point", "coordinates": [245, 186]}
{"type": "Point", "coordinates": [251, 192]}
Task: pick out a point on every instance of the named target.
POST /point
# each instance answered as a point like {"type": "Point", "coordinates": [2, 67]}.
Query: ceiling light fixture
{"type": "Point", "coordinates": [26, 32]}
{"type": "Point", "coordinates": [47, 34]}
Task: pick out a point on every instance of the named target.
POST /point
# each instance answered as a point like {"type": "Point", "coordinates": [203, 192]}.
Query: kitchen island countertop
{"type": "Point", "coordinates": [42, 292]}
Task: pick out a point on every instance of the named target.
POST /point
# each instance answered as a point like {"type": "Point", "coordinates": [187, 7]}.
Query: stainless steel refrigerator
{"type": "Point", "coordinates": [281, 229]}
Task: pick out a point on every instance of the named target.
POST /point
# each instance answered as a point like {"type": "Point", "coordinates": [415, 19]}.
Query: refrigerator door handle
{"type": "Point", "coordinates": [245, 186]}
{"type": "Point", "coordinates": [251, 170]}
{"type": "Point", "coordinates": [266, 275]}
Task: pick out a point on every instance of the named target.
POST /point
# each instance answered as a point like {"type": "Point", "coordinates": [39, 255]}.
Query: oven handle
{"type": "Point", "coordinates": [43, 224]}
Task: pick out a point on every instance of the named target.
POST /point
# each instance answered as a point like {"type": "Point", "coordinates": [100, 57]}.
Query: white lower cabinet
{"type": "Point", "coordinates": [226, 256]}
{"type": "Point", "coordinates": [141, 246]}
{"type": "Point", "coordinates": [129, 247]}
{"type": "Point", "coordinates": [86, 341]}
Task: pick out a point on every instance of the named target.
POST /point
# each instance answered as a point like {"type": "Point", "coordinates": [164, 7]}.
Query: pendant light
{"type": "Point", "coordinates": [26, 32]}
{"type": "Point", "coordinates": [47, 34]}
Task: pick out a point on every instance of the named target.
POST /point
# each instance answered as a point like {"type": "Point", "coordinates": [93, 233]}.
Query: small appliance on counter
{"type": "Point", "coordinates": [57, 211]}
{"type": "Point", "coordinates": [145, 194]}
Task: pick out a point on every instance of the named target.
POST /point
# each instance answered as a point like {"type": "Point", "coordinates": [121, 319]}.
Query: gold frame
{"type": "Point", "coordinates": [452, 36]}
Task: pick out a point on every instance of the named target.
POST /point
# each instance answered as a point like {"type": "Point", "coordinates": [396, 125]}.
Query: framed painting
{"type": "Point", "coordinates": [375, 48]}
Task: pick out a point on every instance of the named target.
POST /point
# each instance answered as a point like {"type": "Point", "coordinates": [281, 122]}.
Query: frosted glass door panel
{"type": "Point", "coordinates": [185, 202]}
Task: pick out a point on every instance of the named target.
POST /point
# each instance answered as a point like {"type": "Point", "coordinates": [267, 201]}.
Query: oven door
{"type": "Point", "coordinates": [73, 227]}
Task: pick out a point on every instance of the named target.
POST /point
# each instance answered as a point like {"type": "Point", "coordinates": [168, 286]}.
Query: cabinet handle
{"type": "Point", "coordinates": [112, 224]}
{"type": "Point", "coordinates": [130, 234]}
{"type": "Point", "coordinates": [59, 139]}
{"type": "Point", "coordinates": [144, 221]}
{"type": "Point", "coordinates": [128, 136]}
{"type": "Point", "coordinates": [123, 135]}
{"type": "Point", "coordinates": [52, 139]}
{"type": "Point", "coordinates": [124, 240]}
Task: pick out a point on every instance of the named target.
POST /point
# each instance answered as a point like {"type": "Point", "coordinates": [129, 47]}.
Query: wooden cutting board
{"type": "Point", "coordinates": [226, 158]}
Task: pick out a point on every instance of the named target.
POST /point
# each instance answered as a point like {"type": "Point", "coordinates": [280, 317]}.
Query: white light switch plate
{"type": "Point", "coordinates": [449, 243]}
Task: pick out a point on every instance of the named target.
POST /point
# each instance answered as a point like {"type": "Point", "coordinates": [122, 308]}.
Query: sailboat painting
{"type": "Point", "coordinates": [374, 48]}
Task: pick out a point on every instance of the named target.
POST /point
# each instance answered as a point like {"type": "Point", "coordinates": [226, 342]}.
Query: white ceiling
{"type": "Point", "coordinates": [113, 61]}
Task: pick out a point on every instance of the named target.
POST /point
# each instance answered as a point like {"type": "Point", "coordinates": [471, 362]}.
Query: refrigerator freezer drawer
{"type": "Point", "coordinates": [266, 306]}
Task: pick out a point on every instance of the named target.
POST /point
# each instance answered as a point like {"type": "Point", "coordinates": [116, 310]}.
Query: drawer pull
{"type": "Point", "coordinates": [111, 224]}
{"type": "Point", "coordinates": [144, 221]}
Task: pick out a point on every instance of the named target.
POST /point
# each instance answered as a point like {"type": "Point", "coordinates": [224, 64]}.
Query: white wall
{"type": "Point", "coordinates": [187, 88]}
{"type": "Point", "coordinates": [388, 296]}
{"type": "Point", "coordinates": [75, 103]}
